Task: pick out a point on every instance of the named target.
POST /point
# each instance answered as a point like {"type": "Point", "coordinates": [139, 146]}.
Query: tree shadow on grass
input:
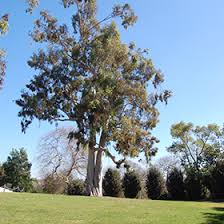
{"type": "Point", "coordinates": [216, 217]}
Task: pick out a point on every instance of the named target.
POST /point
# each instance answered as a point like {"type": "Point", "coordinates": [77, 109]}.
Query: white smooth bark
{"type": "Point", "coordinates": [94, 173]}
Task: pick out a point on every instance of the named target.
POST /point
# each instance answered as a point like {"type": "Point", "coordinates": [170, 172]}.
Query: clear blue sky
{"type": "Point", "coordinates": [186, 41]}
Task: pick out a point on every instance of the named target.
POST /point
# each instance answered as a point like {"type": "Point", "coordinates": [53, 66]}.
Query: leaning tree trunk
{"type": "Point", "coordinates": [94, 173]}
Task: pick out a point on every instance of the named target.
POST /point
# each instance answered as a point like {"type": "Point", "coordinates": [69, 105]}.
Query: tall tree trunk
{"type": "Point", "coordinates": [94, 173]}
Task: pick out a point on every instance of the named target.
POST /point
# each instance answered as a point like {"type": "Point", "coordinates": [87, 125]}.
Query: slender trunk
{"type": "Point", "coordinates": [94, 173]}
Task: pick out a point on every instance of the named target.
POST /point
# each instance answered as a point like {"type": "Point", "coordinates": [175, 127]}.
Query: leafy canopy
{"type": "Point", "coordinates": [197, 146]}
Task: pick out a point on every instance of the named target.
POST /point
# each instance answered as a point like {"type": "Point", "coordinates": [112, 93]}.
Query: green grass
{"type": "Point", "coordinates": [17, 208]}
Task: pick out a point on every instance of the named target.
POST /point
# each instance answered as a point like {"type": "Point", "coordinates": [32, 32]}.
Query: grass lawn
{"type": "Point", "coordinates": [17, 208]}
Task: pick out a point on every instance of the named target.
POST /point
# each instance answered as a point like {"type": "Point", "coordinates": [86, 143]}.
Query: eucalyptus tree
{"type": "Point", "coordinates": [88, 76]}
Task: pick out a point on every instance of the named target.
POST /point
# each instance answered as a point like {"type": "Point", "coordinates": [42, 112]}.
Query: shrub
{"type": "Point", "coordinates": [175, 184]}
{"type": "Point", "coordinates": [164, 195]}
{"type": "Point", "coordinates": [131, 184]}
{"type": "Point", "coordinates": [112, 183]}
{"type": "Point", "coordinates": [194, 185]}
{"type": "Point", "coordinates": [53, 185]}
{"type": "Point", "coordinates": [215, 180]}
{"type": "Point", "coordinates": [155, 184]}
{"type": "Point", "coordinates": [36, 186]}
{"type": "Point", "coordinates": [142, 193]}
{"type": "Point", "coordinates": [76, 187]}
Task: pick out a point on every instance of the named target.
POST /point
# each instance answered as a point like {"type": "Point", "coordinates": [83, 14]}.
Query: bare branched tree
{"type": "Point", "coordinates": [58, 156]}
{"type": "Point", "coordinates": [166, 164]}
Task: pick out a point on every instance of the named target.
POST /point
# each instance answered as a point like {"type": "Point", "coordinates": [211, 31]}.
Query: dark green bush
{"type": "Point", "coordinates": [112, 183]}
{"type": "Point", "coordinates": [175, 184]}
{"type": "Point", "coordinates": [155, 184]}
{"type": "Point", "coordinates": [131, 184]}
{"type": "Point", "coordinates": [195, 189]}
{"type": "Point", "coordinates": [215, 180]}
{"type": "Point", "coordinates": [76, 187]}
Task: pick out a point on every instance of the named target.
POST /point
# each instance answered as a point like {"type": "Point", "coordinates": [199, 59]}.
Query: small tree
{"type": "Point", "coordinates": [131, 184]}
{"type": "Point", "coordinates": [53, 184]}
{"type": "Point", "coordinates": [112, 183]}
{"type": "Point", "coordinates": [58, 156]}
{"type": "Point", "coordinates": [175, 184]}
{"type": "Point", "coordinates": [36, 186]}
{"type": "Point", "coordinates": [194, 184]}
{"type": "Point", "coordinates": [76, 187]}
{"type": "Point", "coordinates": [155, 183]}
{"type": "Point", "coordinates": [166, 163]}
{"type": "Point", "coordinates": [17, 170]}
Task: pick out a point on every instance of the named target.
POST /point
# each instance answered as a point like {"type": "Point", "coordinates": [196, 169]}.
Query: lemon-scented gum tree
{"type": "Point", "coordinates": [89, 77]}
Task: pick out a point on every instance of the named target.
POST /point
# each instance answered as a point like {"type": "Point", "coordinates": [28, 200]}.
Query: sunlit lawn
{"type": "Point", "coordinates": [17, 208]}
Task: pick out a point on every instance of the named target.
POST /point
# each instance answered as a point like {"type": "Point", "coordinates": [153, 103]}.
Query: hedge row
{"type": "Point", "coordinates": [190, 185]}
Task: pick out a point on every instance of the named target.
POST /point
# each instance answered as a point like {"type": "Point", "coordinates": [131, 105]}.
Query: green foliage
{"type": "Point", "coordinates": [76, 187]}
{"type": "Point", "coordinates": [112, 183]}
{"type": "Point", "coordinates": [195, 189]}
{"type": "Point", "coordinates": [197, 146]}
{"type": "Point", "coordinates": [175, 184]}
{"type": "Point", "coordinates": [155, 184]}
{"type": "Point", "coordinates": [17, 170]}
{"type": "Point", "coordinates": [88, 76]}
{"type": "Point", "coordinates": [131, 184]}
{"type": "Point", "coordinates": [215, 180]}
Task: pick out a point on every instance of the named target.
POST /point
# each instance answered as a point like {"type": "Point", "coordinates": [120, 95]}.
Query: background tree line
{"type": "Point", "coordinates": [196, 173]}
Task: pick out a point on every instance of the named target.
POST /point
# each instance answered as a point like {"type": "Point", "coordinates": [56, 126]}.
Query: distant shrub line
{"type": "Point", "coordinates": [178, 185]}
